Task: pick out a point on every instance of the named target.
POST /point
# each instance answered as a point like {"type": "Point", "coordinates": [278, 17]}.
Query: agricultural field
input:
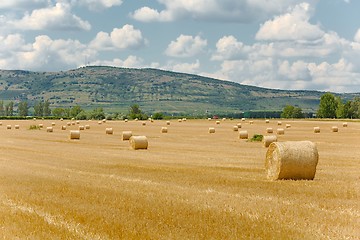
{"type": "Point", "coordinates": [188, 184]}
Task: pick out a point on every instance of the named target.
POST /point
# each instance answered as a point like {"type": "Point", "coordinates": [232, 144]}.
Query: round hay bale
{"type": "Point", "coordinates": [251, 122]}
{"type": "Point", "coordinates": [167, 122]}
{"type": "Point", "coordinates": [69, 123]}
{"type": "Point", "coordinates": [143, 123]}
{"type": "Point", "coordinates": [269, 130]}
{"type": "Point", "coordinates": [184, 119]}
{"type": "Point", "coordinates": [126, 120]}
{"type": "Point", "coordinates": [0, 123]}
{"type": "Point", "coordinates": [239, 125]}
{"type": "Point", "coordinates": [291, 160]}
{"type": "Point", "coordinates": [17, 126]}
{"type": "Point", "coordinates": [138, 142]}
{"type": "Point", "coordinates": [267, 121]}
{"type": "Point", "coordinates": [211, 130]}
{"type": "Point", "coordinates": [74, 134]}
{"type": "Point", "coordinates": [53, 124]}
{"type": "Point", "coordinates": [109, 131]}
{"type": "Point", "coordinates": [8, 126]}
{"type": "Point", "coordinates": [41, 125]}
{"type": "Point", "coordinates": [49, 129]}
{"type": "Point", "coordinates": [267, 140]}
{"type": "Point", "coordinates": [224, 119]}
{"type": "Point", "coordinates": [288, 126]}
{"type": "Point", "coordinates": [136, 119]}
{"type": "Point", "coordinates": [235, 128]}
{"type": "Point", "coordinates": [164, 130]}
{"type": "Point", "coordinates": [209, 119]}
{"type": "Point", "coordinates": [279, 123]}
{"type": "Point", "coordinates": [81, 127]}
{"type": "Point", "coordinates": [77, 122]}
{"type": "Point", "coordinates": [334, 129]}
{"type": "Point", "coordinates": [345, 124]}
{"type": "Point", "coordinates": [87, 126]}
{"type": "Point", "coordinates": [243, 135]}
{"type": "Point", "coordinates": [104, 120]}
{"type": "Point", "coordinates": [34, 119]}
{"type": "Point", "coordinates": [280, 131]}
{"type": "Point", "coordinates": [63, 127]}
{"type": "Point", "coordinates": [99, 122]}
{"type": "Point", "coordinates": [316, 129]}
{"type": "Point", "coordinates": [61, 119]}
{"type": "Point", "coordinates": [73, 123]}
{"type": "Point", "coordinates": [126, 135]}
{"type": "Point", "coordinates": [179, 120]}
{"type": "Point", "coordinates": [243, 119]}
{"type": "Point", "coordinates": [217, 122]}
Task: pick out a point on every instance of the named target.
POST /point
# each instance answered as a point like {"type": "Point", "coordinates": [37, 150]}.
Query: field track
{"type": "Point", "coordinates": [188, 184]}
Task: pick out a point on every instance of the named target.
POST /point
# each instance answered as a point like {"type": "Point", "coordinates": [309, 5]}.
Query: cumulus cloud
{"type": "Point", "coordinates": [184, 67]}
{"type": "Point", "coordinates": [186, 46]}
{"type": "Point", "coordinates": [96, 5]}
{"type": "Point", "coordinates": [130, 62]}
{"type": "Point", "coordinates": [22, 4]}
{"type": "Point", "coordinates": [291, 26]}
{"type": "Point", "coordinates": [357, 36]}
{"type": "Point", "coordinates": [126, 37]}
{"type": "Point", "coordinates": [228, 48]}
{"type": "Point", "coordinates": [216, 10]}
{"type": "Point", "coordinates": [58, 17]}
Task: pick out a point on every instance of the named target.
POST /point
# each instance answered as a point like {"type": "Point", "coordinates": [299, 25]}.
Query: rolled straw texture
{"type": "Point", "coordinates": [316, 129]}
{"type": "Point", "coordinates": [267, 140]}
{"type": "Point", "coordinates": [109, 131]}
{"type": "Point", "coordinates": [280, 131]}
{"type": "Point", "coordinates": [291, 160]}
{"type": "Point", "coordinates": [164, 130]}
{"type": "Point", "coordinates": [138, 142]}
{"type": "Point", "coordinates": [126, 135]}
{"type": "Point", "coordinates": [211, 130]}
{"type": "Point", "coordinates": [243, 135]}
{"type": "Point", "coordinates": [74, 134]}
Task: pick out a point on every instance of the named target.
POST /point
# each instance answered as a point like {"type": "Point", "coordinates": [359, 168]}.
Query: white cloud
{"type": "Point", "coordinates": [58, 17]}
{"type": "Point", "coordinates": [291, 26]}
{"type": "Point", "coordinates": [22, 4]}
{"type": "Point", "coordinates": [357, 36]}
{"type": "Point", "coordinates": [216, 10]}
{"type": "Point", "coordinates": [126, 37]}
{"type": "Point", "coordinates": [186, 46]}
{"type": "Point", "coordinates": [229, 48]}
{"type": "Point", "coordinates": [96, 5]}
{"type": "Point", "coordinates": [184, 67]}
{"type": "Point", "coordinates": [130, 62]}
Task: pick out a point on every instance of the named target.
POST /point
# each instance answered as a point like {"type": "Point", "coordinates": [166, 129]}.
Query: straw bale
{"type": "Point", "coordinates": [243, 135]}
{"type": "Point", "coordinates": [316, 129]}
{"type": "Point", "coordinates": [184, 119]}
{"type": "Point", "coordinates": [61, 119]}
{"type": "Point", "coordinates": [334, 129]}
{"type": "Point", "coordinates": [126, 120]}
{"type": "Point", "coordinates": [0, 123]}
{"type": "Point", "coordinates": [49, 129]}
{"type": "Point", "coordinates": [138, 142]}
{"type": "Point", "coordinates": [291, 160]}
{"type": "Point", "coordinates": [279, 123]}
{"type": "Point", "coordinates": [53, 124]}
{"type": "Point", "coordinates": [72, 123]}
{"type": "Point", "coordinates": [69, 123]}
{"type": "Point", "coordinates": [167, 122]}
{"type": "Point", "coordinates": [17, 126]}
{"type": "Point", "coordinates": [74, 134]}
{"type": "Point", "coordinates": [100, 122]}
{"type": "Point", "coordinates": [109, 131]}
{"type": "Point", "coordinates": [164, 130]}
{"type": "Point", "coordinates": [267, 121]}
{"type": "Point", "coordinates": [267, 140]}
{"type": "Point", "coordinates": [345, 124]}
{"type": "Point", "coordinates": [143, 123]}
{"type": "Point", "coordinates": [243, 119]}
{"type": "Point", "coordinates": [104, 120]}
{"type": "Point", "coordinates": [224, 119]}
{"type": "Point", "coordinates": [179, 120]}
{"type": "Point", "coordinates": [288, 126]}
{"type": "Point", "coordinates": [87, 126]}
{"type": "Point", "coordinates": [136, 119]}
{"type": "Point", "coordinates": [8, 127]}
{"type": "Point", "coordinates": [81, 127]}
{"type": "Point", "coordinates": [251, 122]}
{"type": "Point", "coordinates": [77, 122]}
{"type": "Point", "coordinates": [280, 131]}
{"type": "Point", "coordinates": [126, 135]}
{"type": "Point", "coordinates": [217, 122]}
{"type": "Point", "coordinates": [41, 125]}
{"type": "Point", "coordinates": [63, 127]}
{"type": "Point", "coordinates": [269, 130]}
{"type": "Point", "coordinates": [211, 130]}
{"type": "Point", "coordinates": [209, 119]}
{"type": "Point", "coordinates": [235, 128]}
{"type": "Point", "coordinates": [239, 125]}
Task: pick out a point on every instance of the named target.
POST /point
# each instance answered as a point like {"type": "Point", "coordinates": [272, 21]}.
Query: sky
{"type": "Point", "coordinates": [280, 44]}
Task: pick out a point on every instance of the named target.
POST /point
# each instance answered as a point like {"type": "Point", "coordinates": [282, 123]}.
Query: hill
{"type": "Point", "coordinates": [115, 89]}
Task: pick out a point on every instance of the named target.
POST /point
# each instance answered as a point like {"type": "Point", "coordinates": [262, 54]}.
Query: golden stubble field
{"type": "Point", "coordinates": [189, 184]}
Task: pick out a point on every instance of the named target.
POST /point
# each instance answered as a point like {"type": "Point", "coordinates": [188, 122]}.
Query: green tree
{"type": "Point", "coordinates": [290, 111]}
{"type": "Point", "coordinates": [340, 108]}
{"type": "Point", "coordinates": [97, 113]}
{"type": "Point", "coordinates": [39, 109]}
{"type": "Point", "coordinates": [46, 110]}
{"type": "Point", "coordinates": [158, 116]}
{"type": "Point", "coordinates": [355, 108]}
{"type": "Point", "coordinates": [59, 112]}
{"type": "Point", "coordinates": [23, 108]}
{"type": "Point", "coordinates": [9, 109]}
{"type": "Point", "coordinates": [2, 110]}
{"type": "Point", "coordinates": [328, 106]}
{"type": "Point", "coordinates": [135, 112]}
{"type": "Point", "coordinates": [74, 111]}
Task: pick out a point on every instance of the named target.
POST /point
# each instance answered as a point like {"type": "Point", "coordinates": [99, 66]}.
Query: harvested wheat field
{"type": "Point", "coordinates": [188, 184]}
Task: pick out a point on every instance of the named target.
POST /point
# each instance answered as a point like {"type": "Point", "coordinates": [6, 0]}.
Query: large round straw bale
{"type": "Point", "coordinates": [17, 126]}
{"type": "Point", "coordinates": [63, 127]}
{"type": "Point", "coordinates": [269, 130]}
{"type": "Point", "coordinates": [138, 142]}
{"type": "Point", "coordinates": [164, 130]}
{"type": "Point", "coordinates": [87, 126]}
{"type": "Point", "coordinates": [81, 127]}
{"type": "Point", "coordinates": [345, 124]}
{"type": "Point", "coordinates": [8, 127]}
{"type": "Point", "coordinates": [267, 121]}
{"type": "Point", "coordinates": [235, 128]}
{"type": "Point", "coordinates": [224, 119]}
{"type": "Point", "coordinates": [49, 129]}
{"type": "Point", "coordinates": [126, 135]}
{"type": "Point", "coordinates": [288, 126]}
{"type": "Point", "coordinates": [279, 123]}
{"type": "Point", "coordinates": [34, 119]}
{"type": "Point", "coordinates": [184, 119]}
{"type": "Point", "coordinates": [239, 125]}
{"type": "Point", "coordinates": [167, 122]}
{"type": "Point", "coordinates": [334, 129]}
{"type": "Point", "coordinates": [280, 131]}
{"type": "Point", "coordinates": [217, 122]}
{"type": "Point", "coordinates": [291, 160]}
{"type": "Point", "coordinates": [316, 129]}
{"type": "Point", "coordinates": [72, 119]}
{"type": "Point", "coordinates": [211, 130]}
{"type": "Point", "coordinates": [109, 131]}
{"type": "Point", "coordinates": [74, 134]}
{"type": "Point", "coordinates": [136, 119]}
{"type": "Point", "coordinates": [267, 140]}
{"type": "Point", "coordinates": [243, 135]}
{"type": "Point", "coordinates": [104, 120]}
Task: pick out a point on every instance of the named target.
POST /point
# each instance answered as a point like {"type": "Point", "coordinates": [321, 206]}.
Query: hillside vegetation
{"type": "Point", "coordinates": [153, 89]}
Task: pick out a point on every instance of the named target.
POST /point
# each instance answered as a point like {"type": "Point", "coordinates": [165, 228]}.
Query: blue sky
{"type": "Point", "coordinates": [282, 44]}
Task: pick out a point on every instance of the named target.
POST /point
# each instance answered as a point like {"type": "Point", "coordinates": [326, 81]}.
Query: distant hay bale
{"type": "Point", "coordinates": [280, 131]}
{"type": "Point", "coordinates": [126, 135]}
{"type": "Point", "coordinates": [69, 123]}
{"type": "Point", "coordinates": [291, 160]}
{"type": "Point", "coordinates": [17, 126]}
{"type": "Point", "coordinates": [217, 122]}
{"type": "Point", "coordinates": [109, 131]}
{"type": "Point", "coordinates": [243, 119]}
{"type": "Point", "coordinates": [211, 130]}
{"type": "Point", "coordinates": [41, 125]}
{"type": "Point", "coordinates": [63, 127]}
{"type": "Point", "coordinates": [61, 119]}
{"type": "Point", "coordinates": [77, 122]}
{"type": "Point", "coordinates": [239, 125]}
{"type": "Point", "coordinates": [104, 120]}
{"type": "Point", "coordinates": [164, 130]}
{"type": "Point", "coordinates": [53, 124]}
{"type": "Point", "coordinates": [209, 119]}
{"type": "Point", "coordinates": [74, 134]}
{"type": "Point", "coordinates": [279, 123]}
{"type": "Point", "coordinates": [87, 126]}
{"type": "Point", "coordinates": [167, 122]}
{"type": "Point", "coordinates": [235, 128]}
{"type": "Point", "coordinates": [8, 126]}
{"type": "Point", "coordinates": [100, 122]}
{"type": "Point", "coordinates": [0, 123]}
{"type": "Point", "coordinates": [126, 120]}
{"type": "Point", "coordinates": [269, 130]}
{"type": "Point", "coordinates": [49, 129]}
{"type": "Point", "coordinates": [224, 119]}
{"type": "Point", "coordinates": [72, 119]}
{"type": "Point", "coordinates": [81, 127]}
{"type": "Point", "coordinates": [251, 122]}
{"type": "Point", "coordinates": [316, 129]}
{"type": "Point", "coordinates": [288, 126]}
{"type": "Point", "coordinates": [267, 140]}
{"type": "Point", "coordinates": [243, 135]}
{"type": "Point", "coordinates": [136, 119]}
{"type": "Point", "coordinates": [334, 129]}
{"type": "Point", "coordinates": [143, 123]}
{"type": "Point", "coordinates": [179, 120]}
{"type": "Point", "coordinates": [73, 123]}
{"type": "Point", "coordinates": [184, 119]}
{"type": "Point", "coordinates": [345, 124]}
{"type": "Point", "coordinates": [138, 142]}
{"type": "Point", "coordinates": [34, 119]}
{"type": "Point", "coordinates": [267, 121]}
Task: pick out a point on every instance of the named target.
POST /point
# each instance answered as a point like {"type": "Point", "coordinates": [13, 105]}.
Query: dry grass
{"type": "Point", "coordinates": [187, 185]}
